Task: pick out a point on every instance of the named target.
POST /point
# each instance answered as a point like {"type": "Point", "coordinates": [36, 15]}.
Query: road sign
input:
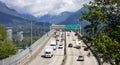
{"type": "Point", "coordinates": [72, 27]}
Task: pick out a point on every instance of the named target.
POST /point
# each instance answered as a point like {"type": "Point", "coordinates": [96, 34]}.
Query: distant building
{"type": "Point", "coordinates": [20, 36]}
{"type": "Point", "coordinates": [9, 33]}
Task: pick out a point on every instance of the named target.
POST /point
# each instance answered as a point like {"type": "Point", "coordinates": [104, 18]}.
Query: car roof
{"type": "Point", "coordinates": [81, 55]}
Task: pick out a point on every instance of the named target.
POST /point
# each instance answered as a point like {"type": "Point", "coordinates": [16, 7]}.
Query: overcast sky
{"type": "Point", "coordinates": [42, 7]}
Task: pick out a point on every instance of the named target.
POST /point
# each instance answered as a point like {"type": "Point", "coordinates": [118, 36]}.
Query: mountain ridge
{"type": "Point", "coordinates": [55, 18]}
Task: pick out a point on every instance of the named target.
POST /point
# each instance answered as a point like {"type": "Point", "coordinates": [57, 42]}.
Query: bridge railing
{"type": "Point", "coordinates": [16, 59]}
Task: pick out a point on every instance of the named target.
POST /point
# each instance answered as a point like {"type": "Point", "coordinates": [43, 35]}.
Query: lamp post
{"type": "Point", "coordinates": [50, 21]}
{"type": "Point", "coordinates": [31, 37]}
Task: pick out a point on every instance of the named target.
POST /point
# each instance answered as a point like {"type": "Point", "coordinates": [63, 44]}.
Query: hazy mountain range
{"type": "Point", "coordinates": [10, 17]}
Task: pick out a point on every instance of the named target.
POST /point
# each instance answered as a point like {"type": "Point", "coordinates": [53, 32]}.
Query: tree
{"type": "Point", "coordinates": [7, 48]}
{"type": "Point", "coordinates": [104, 16]}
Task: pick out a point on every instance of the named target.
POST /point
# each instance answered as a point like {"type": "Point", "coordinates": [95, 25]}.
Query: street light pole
{"type": "Point", "coordinates": [50, 21]}
{"type": "Point", "coordinates": [31, 36]}
{"type": "Point", "coordinates": [80, 28]}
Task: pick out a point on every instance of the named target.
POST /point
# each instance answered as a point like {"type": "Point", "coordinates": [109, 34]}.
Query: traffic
{"type": "Point", "coordinates": [64, 48]}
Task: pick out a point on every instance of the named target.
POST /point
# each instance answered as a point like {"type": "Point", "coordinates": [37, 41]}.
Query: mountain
{"type": "Point", "coordinates": [5, 9]}
{"type": "Point", "coordinates": [55, 18]}
{"type": "Point", "coordinates": [29, 17]}
{"type": "Point", "coordinates": [74, 19]}
{"type": "Point", "coordinates": [11, 18]}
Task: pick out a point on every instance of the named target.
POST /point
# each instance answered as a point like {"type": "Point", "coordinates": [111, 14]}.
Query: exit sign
{"type": "Point", "coordinates": [72, 27]}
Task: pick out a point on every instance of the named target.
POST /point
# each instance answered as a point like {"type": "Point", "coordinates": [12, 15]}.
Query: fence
{"type": "Point", "coordinates": [15, 59]}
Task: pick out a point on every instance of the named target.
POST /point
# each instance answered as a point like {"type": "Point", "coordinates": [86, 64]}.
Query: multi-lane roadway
{"type": "Point", "coordinates": [72, 53]}
{"type": "Point", "coordinates": [58, 55]}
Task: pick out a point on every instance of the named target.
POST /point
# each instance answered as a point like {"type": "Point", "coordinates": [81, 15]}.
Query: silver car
{"type": "Point", "coordinates": [80, 58]}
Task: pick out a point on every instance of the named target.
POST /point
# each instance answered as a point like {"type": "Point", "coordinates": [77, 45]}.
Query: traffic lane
{"type": "Point", "coordinates": [89, 60]}
{"type": "Point", "coordinates": [49, 61]}
{"type": "Point", "coordinates": [72, 52]}
{"type": "Point", "coordinates": [59, 56]}
{"type": "Point", "coordinates": [39, 60]}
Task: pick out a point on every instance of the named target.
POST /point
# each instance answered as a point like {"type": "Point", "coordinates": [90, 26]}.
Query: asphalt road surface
{"type": "Point", "coordinates": [73, 53]}
{"type": "Point", "coordinates": [57, 58]}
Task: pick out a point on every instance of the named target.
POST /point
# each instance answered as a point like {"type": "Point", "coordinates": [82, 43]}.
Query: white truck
{"type": "Point", "coordinates": [53, 44]}
{"type": "Point", "coordinates": [77, 44]}
{"type": "Point", "coordinates": [48, 52]}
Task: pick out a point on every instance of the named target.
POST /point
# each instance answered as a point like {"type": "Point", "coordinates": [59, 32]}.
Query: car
{"type": "Point", "coordinates": [73, 39]}
{"type": "Point", "coordinates": [84, 45]}
{"type": "Point", "coordinates": [78, 47]}
{"type": "Point", "coordinates": [70, 45]}
{"type": "Point", "coordinates": [85, 49]}
{"type": "Point", "coordinates": [76, 34]}
{"type": "Point", "coordinates": [80, 58]}
{"type": "Point", "coordinates": [60, 46]}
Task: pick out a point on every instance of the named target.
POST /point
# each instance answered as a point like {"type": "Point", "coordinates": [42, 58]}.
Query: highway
{"type": "Point", "coordinates": [55, 60]}
{"type": "Point", "coordinates": [72, 53]}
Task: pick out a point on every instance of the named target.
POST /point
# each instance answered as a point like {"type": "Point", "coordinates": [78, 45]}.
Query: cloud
{"type": "Point", "coordinates": [42, 7]}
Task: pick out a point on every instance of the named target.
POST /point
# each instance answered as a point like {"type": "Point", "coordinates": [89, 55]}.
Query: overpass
{"type": "Point", "coordinates": [64, 56]}
{"type": "Point", "coordinates": [57, 27]}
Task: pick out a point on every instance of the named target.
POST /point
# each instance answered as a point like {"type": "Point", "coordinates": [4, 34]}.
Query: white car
{"type": "Point", "coordinates": [80, 58]}
{"type": "Point", "coordinates": [60, 47]}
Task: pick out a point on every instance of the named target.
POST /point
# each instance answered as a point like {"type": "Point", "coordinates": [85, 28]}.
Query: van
{"type": "Point", "coordinates": [53, 44]}
{"type": "Point", "coordinates": [48, 52]}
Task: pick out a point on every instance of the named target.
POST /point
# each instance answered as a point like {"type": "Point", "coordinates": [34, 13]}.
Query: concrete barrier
{"type": "Point", "coordinates": [20, 57]}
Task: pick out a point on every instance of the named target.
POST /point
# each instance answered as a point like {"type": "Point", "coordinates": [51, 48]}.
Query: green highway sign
{"type": "Point", "coordinates": [72, 27]}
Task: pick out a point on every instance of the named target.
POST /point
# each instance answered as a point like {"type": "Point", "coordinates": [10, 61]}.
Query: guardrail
{"type": "Point", "coordinates": [16, 59]}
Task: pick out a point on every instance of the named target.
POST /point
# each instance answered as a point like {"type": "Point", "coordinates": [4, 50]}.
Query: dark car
{"type": "Point", "coordinates": [86, 49]}
{"type": "Point", "coordinates": [80, 58]}
{"type": "Point", "coordinates": [70, 45]}
{"type": "Point", "coordinates": [78, 47]}
{"type": "Point", "coordinates": [75, 34]}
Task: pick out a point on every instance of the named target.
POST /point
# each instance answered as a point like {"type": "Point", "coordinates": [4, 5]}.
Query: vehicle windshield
{"type": "Point", "coordinates": [47, 52]}
{"type": "Point", "coordinates": [52, 45]}
{"type": "Point", "coordinates": [80, 56]}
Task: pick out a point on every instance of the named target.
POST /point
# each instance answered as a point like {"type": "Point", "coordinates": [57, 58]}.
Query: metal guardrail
{"type": "Point", "coordinates": [16, 59]}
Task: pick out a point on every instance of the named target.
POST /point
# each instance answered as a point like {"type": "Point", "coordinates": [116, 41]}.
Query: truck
{"type": "Point", "coordinates": [48, 52]}
{"type": "Point", "coordinates": [53, 44]}
{"type": "Point", "coordinates": [77, 44]}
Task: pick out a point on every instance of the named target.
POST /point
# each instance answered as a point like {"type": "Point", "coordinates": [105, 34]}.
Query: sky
{"type": "Point", "coordinates": [39, 8]}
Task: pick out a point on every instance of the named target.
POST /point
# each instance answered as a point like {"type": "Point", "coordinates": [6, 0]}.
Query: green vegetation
{"type": "Point", "coordinates": [26, 42]}
{"type": "Point", "coordinates": [104, 30]}
{"type": "Point", "coordinates": [6, 47]}
{"type": "Point", "coordinates": [38, 30]}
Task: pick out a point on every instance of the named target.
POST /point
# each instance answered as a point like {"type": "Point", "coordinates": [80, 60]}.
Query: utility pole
{"type": "Point", "coordinates": [31, 37]}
